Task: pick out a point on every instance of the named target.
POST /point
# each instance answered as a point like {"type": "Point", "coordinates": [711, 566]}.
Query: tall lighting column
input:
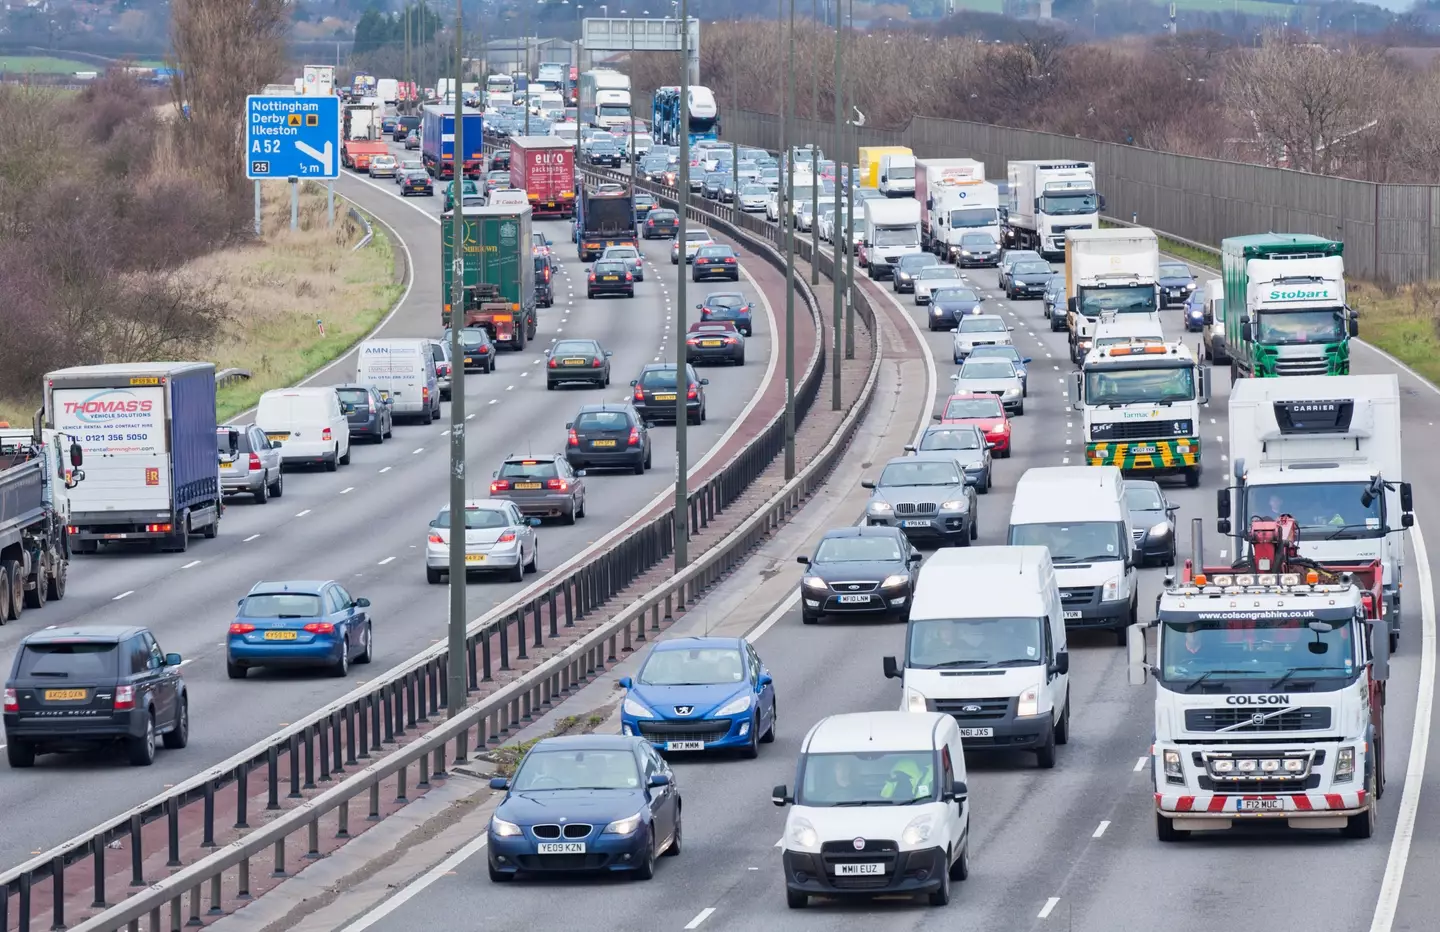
{"type": "Point", "coordinates": [836, 279]}
{"type": "Point", "coordinates": [854, 161]}
{"type": "Point", "coordinates": [682, 409]}
{"type": "Point", "coordinates": [456, 692]}
{"type": "Point", "coordinates": [788, 227]}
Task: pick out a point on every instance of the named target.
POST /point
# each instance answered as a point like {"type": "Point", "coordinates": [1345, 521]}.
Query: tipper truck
{"type": "Point", "coordinates": [1269, 690]}
{"type": "Point", "coordinates": [955, 199]}
{"type": "Point", "coordinates": [437, 141]}
{"type": "Point", "coordinates": [147, 430]}
{"type": "Point", "coordinates": [37, 470]}
{"type": "Point", "coordinates": [1116, 271]}
{"type": "Point", "coordinates": [605, 217]}
{"type": "Point", "coordinates": [544, 168]}
{"type": "Point", "coordinates": [1285, 305]}
{"type": "Point", "coordinates": [1326, 451]}
{"type": "Point", "coordinates": [499, 282]}
{"type": "Point", "coordinates": [1047, 200]}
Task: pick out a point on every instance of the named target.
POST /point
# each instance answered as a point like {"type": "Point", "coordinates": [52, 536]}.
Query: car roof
{"type": "Point", "coordinates": [1141, 484]}
{"type": "Point", "coordinates": [102, 633]}
{"type": "Point", "coordinates": [526, 457]}
{"type": "Point", "coordinates": [481, 504]}
{"type": "Point", "coordinates": [925, 456]}
{"type": "Point", "coordinates": [984, 317]}
{"type": "Point", "coordinates": [298, 586]}
{"type": "Point", "coordinates": [590, 742]}
{"type": "Point", "coordinates": [725, 294]}
{"type": "Point", "coordinates": [972, 396]}
{"type": "Point", "coordinates": [612, 406]}
{"type": "Point", "coordinates": [860, 531]}
{"type": "Point", "coordinates": [875, 732]}
{"type": "Point", "coordinates": [698, 643]}
{"type": "Point", "coordinates": [711, 325]}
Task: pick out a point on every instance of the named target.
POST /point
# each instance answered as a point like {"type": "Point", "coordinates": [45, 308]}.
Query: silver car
{"type": "Point", "coordinates": [967, 444]}
{"type": "Point", "coordinates": [628, 255]}
{"type": "Point", "coordinates": [938, 276]}
{"type": "Point", "coordinates": [250, 465]}
{"type": "Point", "coordinates": [992, 376]}
{"type": "Point", "coordinates": [753, 198]}
{"type": "Point", "coordinates": [542, 486]}
{"type": "Point", "coordinates": [497, 539]}
{"type": "Point", "coordinates": [695, 237]}
{"type": "Point", "coordinates": [1008, 258]}
{"type": "Point", "coordinates": [926, 495]}
{"type": "Point", "coordinates": [979, 330]}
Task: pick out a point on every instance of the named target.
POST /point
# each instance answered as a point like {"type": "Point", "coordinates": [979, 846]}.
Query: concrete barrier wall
{"type": "Point", "coordinates": [1389, 230]}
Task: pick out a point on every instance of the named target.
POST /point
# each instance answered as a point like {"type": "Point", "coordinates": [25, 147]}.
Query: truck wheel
{"type": "Point", "coordinates": [4, 593]}
{"type": "Point", "coordinates": [1165, 829]}
{"type": "Point", "coordinates": [1364, 824]}
{"type": "Point", "coordinates": [35, 597]}
{"type": "Point", "coordinates": [1192, 478]}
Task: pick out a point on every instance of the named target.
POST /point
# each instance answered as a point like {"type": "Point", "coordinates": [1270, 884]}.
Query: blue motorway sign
{"type": "Point", "coordinates": [292, 137]}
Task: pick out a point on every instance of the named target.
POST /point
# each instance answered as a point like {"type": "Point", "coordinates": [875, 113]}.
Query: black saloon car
{"type": "Point", "coordinates": [1152, 520]}
{"type": "Point", "coordinates": [544, 281]}
{"type": "Point", "coordinates": [653, 394]}
{"type": "Point", "coordinates": [903, 277]}
{"type": "Point", "coordinates": [479, 349]}
{"type": "Point", "coordinates": [577, 361]}
{"type": "Point", "coordinates": [78, 688]}
{"type": "Point", "coordinates": [717, 261]}
{"type": "Point", "coordinates": [718, 342]}
{"type": "Point", "coordinates": [950, 303]}
{"type": "Point", "coordinates": [608, 436]}
{"type": "Point", "coordinates": [611, 276]}
{"type": "Point", "coordinates": [603, 152]}
{"type": "Point", "coordinates": [1028, 279]}
{"type": "Point", "coordinates": [661, 223]}
{"type": "Point", "coordinates": [416, 182]}
{"type": "Point", "coordinates": [859, 571]}
{"type": "Point", "coordinates": [729, 305]}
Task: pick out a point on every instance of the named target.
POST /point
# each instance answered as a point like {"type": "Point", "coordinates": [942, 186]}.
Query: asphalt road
{"type": "Point", "coordinates": [1068, 849]}
{"type": "Point", "coordinates": [363, 525]}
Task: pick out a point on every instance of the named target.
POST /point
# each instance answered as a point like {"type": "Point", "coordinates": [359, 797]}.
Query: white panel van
{"type": "Point", "coordinates": [985, 644]}
{"type": "Point", "coordinates": [405, 369]}
{"type": "Point", "coordinates": [309, 425]}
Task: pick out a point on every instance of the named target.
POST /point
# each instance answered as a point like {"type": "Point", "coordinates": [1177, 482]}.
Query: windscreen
{"type": "Point", "coordinates": [1069, 204]}
{"type": "Point", "coordinates": [1004, 351]}
{"type": "Point", "coordinates": [475, 518]}
{"type": "Point", "coordinates": [1138, 300]}
{"type": "Point", "coordinates": [857, 550]}
{"type": "Point", "coordinates": [956, 295]}
{"type": "Point", "coordinates": [907, 474]}
{"type": "Point", "coordinates": [281, 605]}
{"type": "Point", "coordinates": [1032, 268]}
{"type": "Point", "coordinates": [974, 217]}
{"type": "Point", "coordinates": [952, 438]}
{"type": "Point", "coordinates": [696, 667]}
{"type": "Point", "coordinates": [529, 469]}
{"type": "Point", "coordinates": [987, 369]}
{"type": "Point", "coordinates": [859, 779]}
{"type": "Point", "coordinates": [965, 408]}
{"type": "Point", "coordinates": [1143, 498]}
{"type": "Point", "coordinates": [901, 172]}
{"type": "Point", "coordinates": [1281, 327]}
{"type": "Point", "coordinates": [1324, 510]}
{"type": "Point", "coordinates": [1232, 646]}
{"type": "Point", "coordinates": [982, 325]}
{"type": "Point", "coordinates": [937, 273]}
{"type": "Point", "coordinates": [1174, 270]}
{"type": "Point", "coordinates": [577, 770]}
{"type": "Point", "coordinates": [1073, 542]}
{"type": "Point", "coordinates": [1139, 386]}
{"type": "Point", "coordinates": [897, 236]}
{"type": "Point", "coordinates": [974, 240]}
{"type": "Point", "coordinates": [975, 642]}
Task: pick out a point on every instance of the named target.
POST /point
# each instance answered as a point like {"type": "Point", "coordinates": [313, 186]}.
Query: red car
{"type": "Point", "coordinates": [985, 412]}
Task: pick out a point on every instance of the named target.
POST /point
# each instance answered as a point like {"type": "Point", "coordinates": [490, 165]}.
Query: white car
{"type": "Point", "coordinates": [867, 776]}
{"type": "Point", "coordinates": [630, 256]}
{"type": "Point", "coordinates": [935, 276]}
{"type": "Point", "coordinates": [805, 214]}
{"type": "Point", "coordinates": [977, 330]}
{"type": "Point", "coordinates": [754, 198]}
{"type": "Point", "coordinates": [992, 375]}
{"type": "Point", "coordinates": [497, 539]}
{"type": "Point", "coordinates": [384, 166]}
{"type": "Point", "coordinates": [695, 237]}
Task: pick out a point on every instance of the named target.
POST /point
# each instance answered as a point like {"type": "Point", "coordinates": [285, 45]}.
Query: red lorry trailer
{"type": "Point", "coordinates": [544, 168]}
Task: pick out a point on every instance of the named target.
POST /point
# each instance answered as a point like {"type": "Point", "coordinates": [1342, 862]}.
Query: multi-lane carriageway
{"type": "Point", "coordinates": [365, 525]}
{"type": "Point", "coordinates": [1073, 848]}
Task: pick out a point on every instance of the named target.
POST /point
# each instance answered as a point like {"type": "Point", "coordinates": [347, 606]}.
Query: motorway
{"type": "Point", "coordinates": [365, 525]}
{"type": "Point", "coordinates": [1073, 848]}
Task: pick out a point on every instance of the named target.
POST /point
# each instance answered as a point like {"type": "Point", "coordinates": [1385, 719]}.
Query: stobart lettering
{"type": "Point", "coordinates": [1300, 294]}
{"type": "Point", "coordinates": [1258, 700]}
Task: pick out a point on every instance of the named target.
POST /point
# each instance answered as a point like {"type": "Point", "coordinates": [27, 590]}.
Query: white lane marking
{"type": "Point", "coordinates": [381, 910]}
{"type": "Point", "coordinates": [469, 416]}
{"type": "Point", "coordinates": [781, 842]}
{"type": "Point", "coordinates": [1101, 830]}
{"type": "Point", "coordinates": [127, 592]}
{"type": "Point", "coordinates": [490, 402]}
{"type": "Point", "coordinates": [347, 490]}
{"type": "Point", "coordinates": [523, 374]}
{"type": "Point", "coordinates": [1140, 764]}
{"type": "Point", "coordinates": [190, 564]}
{"type": "Point", "coordinates": [249, 539]}
{"type": "Point", "coordinates": [775, 615]}
{"type": "Point", "coordinates": [386, 469]}
{"type": "Point", "coordinates": [509, 388]}
{"type": "Point", "coordinates": [1399, 856]}
{"type": "Point", "coordinates": [704, 914]}
{"type": "Point", "coordinates": [417, 450]}
{"type": "Point", "coordinates": [446, 433]}
{"type": "Point", "coordinates": [302, 514]}
{"type": "Point", "coordinates": [1048, 908]}
{"type": "Point", "coordinates": [384, 561]}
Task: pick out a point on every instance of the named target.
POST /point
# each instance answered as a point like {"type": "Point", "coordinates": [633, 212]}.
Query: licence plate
{"type": "Point", "coordinates": [469, 360]}
{"type": "Point", "coordinates": [684, 745]}
{"type": "Point", "coordinates": [710, 343]}
{"type": "Point", "coordinates": [664, 397]}
{"type": "Point", "coordinates": [560, 847]}
{"type": "Point", "coordinates": [611, 278]}
{"type": "Point", "coordinates": [280, 635]}
{"type": "Point", "coordinates": [1259, 805]}
{"type": "Point", "coordinates": [854, 599]}
{"type": "Point", "coordinates": [1146, 448]}
{"type": "Point", "coordinates": [474, 558]}
{"type": "Point", "coordinates": [602, 443]}
{"type": "Point", "coordinates": [915, 522]}
{"type": "Point", "coordinates": [527, 485]}
{"type": "Point", "coordinates": [574, 362]}
{"type": "Point", "coordinates": [1071, 615]}
{"type": "Point", "coordinates": [977, 732]}
{"type": "Point", "coordinates": [866, 869]}
{"type": "Point", "coordinates": [285, 435]}
{"type": "Point", "coordinates": [64, 695]}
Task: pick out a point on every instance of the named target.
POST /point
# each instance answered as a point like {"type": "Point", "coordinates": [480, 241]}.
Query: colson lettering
{"type": "Point", "coordinates": [1299, 295]}
{"type": "Point", "coordinates": [1258, 700]}
{"type": "Point", "coordinates": [108, 407]}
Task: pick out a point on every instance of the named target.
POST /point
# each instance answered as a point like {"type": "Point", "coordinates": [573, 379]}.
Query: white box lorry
{"type": "Point", "coordinates": [955, 199]}
{"type": "Point", "coordinates": [897, 174]}
{"type": "Point", "coordinates": [1108, 271]}
{"type": "Point", "coordinates": [1326, 451]}
{"type": "Point", "coordinates": [1049, 198]}
{"type": "Point", "coordinates": [892, 230]}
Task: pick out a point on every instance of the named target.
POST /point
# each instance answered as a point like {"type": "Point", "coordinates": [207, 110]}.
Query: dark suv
{"type": "Point", "coordinates": [81, 688]}
{"type": "Point", "coordinates": [654, 394]}
{"type": "Point", "coordinates": [608, 436]}
{"type": "Point", "coordinates": [544, 281]}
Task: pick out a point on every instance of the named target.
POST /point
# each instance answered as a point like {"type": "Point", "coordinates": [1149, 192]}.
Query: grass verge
{"type": "Point", "coordinates": [1404, 321]}
{"type": "Point", "coordinates": [42, 64]}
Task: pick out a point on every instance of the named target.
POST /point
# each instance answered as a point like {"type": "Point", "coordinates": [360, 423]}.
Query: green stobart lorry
{"type": "Point", "coordinates": [1285, 310]}
{"type": "Point", "coordinates": [499, 280]}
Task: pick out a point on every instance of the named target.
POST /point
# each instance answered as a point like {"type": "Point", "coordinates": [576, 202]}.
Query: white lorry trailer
{"type": "Point", "coordinates": [1108, 271]}
{"type": "Point", "coordinates": [1047, 200]}
{"type": "Point", "coordinates": [892, 230]}
{"type": "Point", "coordinates": [1325, 450]}
{"type": "Point", "coordinates": [955, 199]}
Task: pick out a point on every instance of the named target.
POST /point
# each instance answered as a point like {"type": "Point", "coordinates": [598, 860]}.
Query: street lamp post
{"type": "Point", "coordinates": [788, 226]}
{"type": "Point", "coordinates": [836, 279]}
{"type": "Point", "coordinates": [682, 383]}
{"type": "Point", "coordinates": [854, 160]}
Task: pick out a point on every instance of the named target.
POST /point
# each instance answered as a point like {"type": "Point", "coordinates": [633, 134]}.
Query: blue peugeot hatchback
{"type": "Point", "coordinates": [701, 694]}
{"type": "Point", "coordinates": [595, 803]}
{"type": "Point", "coordinates": [299, 623]}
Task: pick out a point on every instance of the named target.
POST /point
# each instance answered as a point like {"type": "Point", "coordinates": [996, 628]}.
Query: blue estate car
{"type": "Point", "coordinates": [299, 623]}
{"type": "Point", "coordinates": [701, 694]}
{"type": "Point", "coordinates": [1006, 351]}
{"type": "Point", "coordinates": [596, 803]}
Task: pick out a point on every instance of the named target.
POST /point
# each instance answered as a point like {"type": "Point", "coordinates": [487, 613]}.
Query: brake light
{"type": "Point", "coordinates": [639, 395]}
{"type": "Point", "coordinates": [436, 539]}
{"type": "Point", "coordinates": [320, 627]}
{"type": "Point", "coordinates": [574, 439]}
{"type": "Point", "coordinates": [424, 393]}
{"type": "Point", "coordinates": [255, 461]}
{"type": "Point", "coordinates": [499, 485]}
{"type": "Point", "coordinates": [557, 485]}
{"type": "Point", "coordinates": [554, 364]}
{"type": "Point", "coordinates": [325, 434]}
{"type": "Point", "coordinates": [11, 703]}
{"type": "Point", "coordinates": [730, 261]}
{"type": "Point", "coordinates": [634, 437]}
{"type": "Point", "coordinates": [241, 627]}
{"type": "Point", "coordinates": [649, 223]}
{"type": "Point", "coordinates": [692, 394]}
{"type": "Point", "coordinates": [124, 698]}
{"type": "Point", "coordinates": [506, 538]}
{"type": "Point", "coordinates": [629, 277]}
{"type": "Point", "coordinates": [592, 276]}
{"type": "Point", "coordinates": [157, 529]}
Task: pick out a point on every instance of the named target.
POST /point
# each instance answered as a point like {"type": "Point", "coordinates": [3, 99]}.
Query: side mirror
{"type": "Point", "coordinates": [362, 602]}
{"type": "Point", "coordinates": [499, 783]}
{"type": "Point", "coordinates": [933, 417]}
{"type": "Point", "coordinates": [909, 448]}
{"type": "Point", "coordinates": [77, 455]}
{"type": "Point", "coordinates": [1135, 654]}
{"type": "Point", "coordinates": [780, 796]}
{"type": "Point", "coordinates": [274, 444]}
{"type": "Point", "coordinates": [435, 522]}
{"type": "Point", "coordinates": [1102, 202]}
{"type": "Point", "coordinates": [534, 522]}
{"type": "Point", "coordinates": [625, 682]}
{"type": "Point", "coordinates": [1171, 509]}
{"type": "Point", "coordinates": [989, 444]}
{"type": "Point", "coordinates": [1070, 305]}
{"type": "Point", "coordinates": [1223, 525]}
{"type": "Point", "coordinates": [867, 484]}
{"type": "Point", "coordinates": [658, 780]}
{"type": "Point", "coordinates": [1380, 651]}
{"type": "Point", "coordinates": [1025, 359]}
{"type": "Point", "coordinates": [634, 382]}
{"type": "Point", "coordinates": [766, 680]}
{"type": "Point", "coordinates": [915, 558]}
{"type": "Point", "coordinates": [704, 381]}
{"type": "Point", "coordinates": [1061, 665]}
{"type": "Point", "coordinates": [957, 792]}
{"type": "Point", "coordinates": [570, 425]}
{"type": "Point", "coordinates": [803, 561]}
{"type": "Point", "coordinates": [891, 668]}
{"type": "Point", "coordinates": [1222, 504]}
{"type": "Point", "coordinates": [172, 660]}
{"type": "Point", "coordinates": [1407, 500]}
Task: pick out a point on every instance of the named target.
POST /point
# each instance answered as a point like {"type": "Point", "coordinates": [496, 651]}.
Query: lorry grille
{"type": "Point", "coordinates": [983, 709]}
{"type": "Point", "coordinates": [1309, 718]}
{"type": "Point", "coordinates": [1079, 595]}
{"type": "Point", "coordinates": [1137, 430]}
{"type": "Point", "coordinates": [1313, 366]}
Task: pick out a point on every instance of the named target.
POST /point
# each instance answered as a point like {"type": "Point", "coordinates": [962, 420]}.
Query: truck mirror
{"type": "Point", "coordinates": [77, 456]}
{"type": "Point", "coordinates": [1204, 393]}
{"type": "Point", "coordinates": [1407, 501]}
{"type": "Point", "coordinates": [1223, 525]}
{"type": "Point", "coordinates": [1247, 333]}
{"type": "Point", "coordinates": [1070, 305]}
{"type": "Point", "coordinates": [1075, 388]}
{"type": "Point", "coordinates": [1037, 204]}
{"type": "Point", "coordinates": [1354, 326]}
{"type": "Point", "coordinates": [891, 668]}
{"type": "Point", "coordinates": [1222, 503]}
{"type": "Point", "coordinates": [1102, 202]}
{"type": "Point", "coordinates": [1380, 649]}
{"type": "Point", "coordinates": [1135, 652]}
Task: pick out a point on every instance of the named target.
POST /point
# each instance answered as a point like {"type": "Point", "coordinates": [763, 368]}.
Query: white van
{"type": "Point", "coordinates": [406, 370]}
{"type": "Point", "coordinates": [986, 644]}
{"type": "Point", "coordinates": [309, 425]}
{"type": "Point", "coordinates": [1079, 513]}
{"type": "Point", "coordinates": [868, 776]}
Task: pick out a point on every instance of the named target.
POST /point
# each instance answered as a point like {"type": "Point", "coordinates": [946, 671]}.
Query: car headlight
{"type": "Point", "coordinates": [1029, 702]}
{"type": "Point", "coordinates": [918, 831]}
{"type": "Point", "coordinates": [1011, 391]}
{"type": "Point", "coordinates": [915, 701]}
{"type": "Point", "coordinates": [904, 276]}
{"type": "Point", "coordinates": [880, 507]}
{"type": "Point", "coordinates": [814, 582]}
{"type": "Point", "coordinates": [1110, 592]}
{"type": "Point", "coordinates": [736, 706]}
{"type": "Point", "coordinates": [623, 826]}
{"type": "Point", "coordinates": [964, 252]}
{"type": "Point", "coordinates": [892, 582]}
{"type": "Point", "coordinates": [1159, 530]}
{"type": "Point", "coordinates": [1190, 287]}
{"type": "Point", "coordinates": [1345, 765]}
{"type": "Point", "coordinates": [802, 834]}
{"type": "Point", "coordinates": [937, 312]}
{"type": "Point", "coordinates": [503, 829]}
{"type": "Point", "coordinates": [634, 708]}
{"type": "Point", "coordinates": [958, 504]}
{"type": "Point", "coordinates": [1171, 759]}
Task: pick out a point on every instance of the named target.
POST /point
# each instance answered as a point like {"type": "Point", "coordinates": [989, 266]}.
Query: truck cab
{"type": "Point", "coordinates": [1048, 200]}
{"type": "Point", "coordinates": [1111, 271]}
{"type": "Point", "coordinates": [892, 230]}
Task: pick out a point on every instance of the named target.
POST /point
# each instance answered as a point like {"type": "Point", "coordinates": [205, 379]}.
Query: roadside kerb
{"type": "Point", "coordinates": [346, 731]}
{"type": "Point", "coordinates": [185, 894]}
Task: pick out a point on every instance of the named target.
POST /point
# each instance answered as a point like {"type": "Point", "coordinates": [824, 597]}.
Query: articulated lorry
{"type": "Point", "coordinates": [892, 230]}
{"type": "Point", "coordinates": [544, 168]}
{"type": "Point", "coordinates": [955, 199]}
{"type": "Point", "coordinates": [1269, 690]}
{"type": "Point", "coordinates": [1141, 407]}
{"type": "Point", "coordinates": [1285, 305]}
{"type": "Point", "coordinates": [38, 468]}
{"type": "Point", "coordinates": [499, 279]}
{"type": "Point", "coordinates": [1048, 199]}
{"type": "Point", "coordinates": [437, 141]}
{"type": "Point", "coordinates": [605, 216]}
{"type": "Point", "coordinates": [1108, 271]}
{"type": "Point", "coordinates": [147, 430]}
{"type": "Point", "coordinates": [1326, 451]}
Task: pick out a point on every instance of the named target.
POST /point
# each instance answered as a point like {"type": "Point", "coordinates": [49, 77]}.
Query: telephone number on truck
{"type": "Point", "coordinates": [110, 438]}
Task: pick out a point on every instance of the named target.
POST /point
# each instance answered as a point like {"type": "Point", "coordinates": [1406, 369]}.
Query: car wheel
{"type": "Point", "coordinates": [960, 867]}
{"type": "Point", "coordinates": [646, 870]}
{"type": "Point", "coordinates": [21, 754]}
{"type": "Point", "coordinates": [941, 896]}
{"type": "Point", "coordinates": [331, 464]}
{"type": "Point", "coordinates": [516, 573]}
{"type": "Point", "coordinates": [795, 899]}
{"type": "Point", "coordinates": [809, 618]}
{"type": "Point", "coordinates": [752, 750]}
{"type": "Point", "coordinates": [433, 576]}
{"type": "Point", "coordinates": [235, 671]}
{"type": "Point", "coordinates": [673, 849]}
{"type": "Point", "coordinates": [769, 736]}
{"type": "Point", "coordinates": [277, 488]}
{"type": "Point", "coordinates": [974, 528]}
{"type": "Point", "coordinates": [341, 667]}
{"type": "Point", "coordinates": [179, 736]}
{"type": "Point", "coordinates": [1020, 410]}
{"type": "Point", "coordinates": [262, 494]}
{"type": "Point", "coordinates": [1045, 754]}
{"type": "Point", "coordinates": [1062, 730]}
{"type": "Point", "coordinates": [499, 876]}
{"type": "Point", "coordinates": [368, 653]}
{"type": "Point", "coordinates": [142, 749]}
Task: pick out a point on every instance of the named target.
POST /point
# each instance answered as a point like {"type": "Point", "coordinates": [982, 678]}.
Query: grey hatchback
{"type": "Point", "coordinates": [249, 463]}
{"type": "Point", "coordinates": [367, 410]}
{"type": "Point", "coordinates": [543, 486]}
